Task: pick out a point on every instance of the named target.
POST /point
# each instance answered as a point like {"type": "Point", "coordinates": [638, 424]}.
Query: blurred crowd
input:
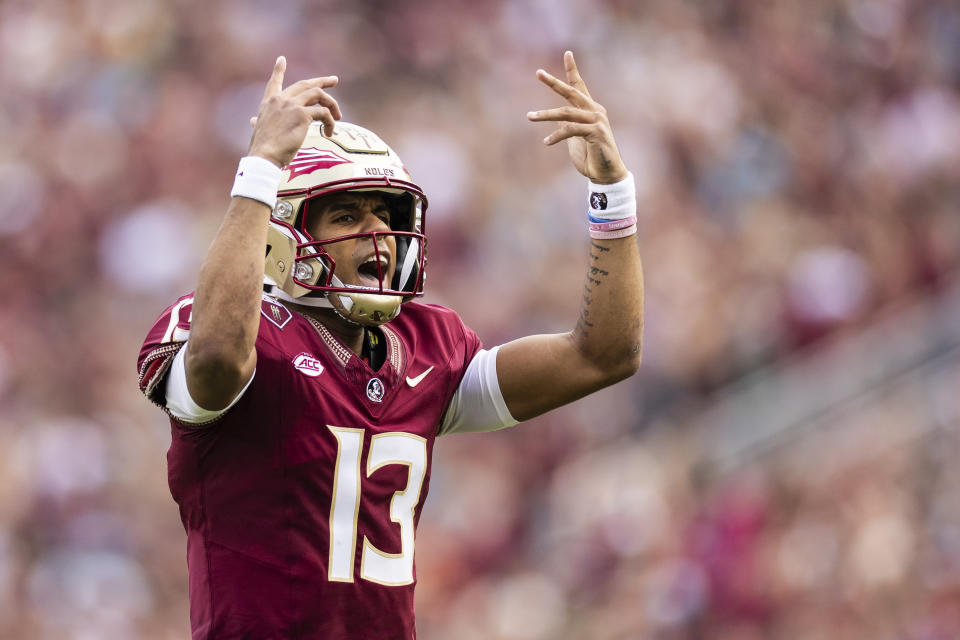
{"type": "Point", "coordinates": [797, 166]}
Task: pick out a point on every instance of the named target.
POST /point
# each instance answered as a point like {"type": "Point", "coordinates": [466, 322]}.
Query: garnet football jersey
{"type": "Point", "coordinates": [301, 501]}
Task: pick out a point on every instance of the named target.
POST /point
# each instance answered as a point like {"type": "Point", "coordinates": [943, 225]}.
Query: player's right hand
{"type": "Point", "coordinates": [284, 114]}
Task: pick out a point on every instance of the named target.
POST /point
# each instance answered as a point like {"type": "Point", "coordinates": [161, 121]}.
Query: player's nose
{"type": "Point", "coordinates": [373, 221]}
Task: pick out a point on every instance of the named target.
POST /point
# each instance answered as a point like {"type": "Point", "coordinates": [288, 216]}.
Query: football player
{"type": "Point", "coordinates": [305, 391]}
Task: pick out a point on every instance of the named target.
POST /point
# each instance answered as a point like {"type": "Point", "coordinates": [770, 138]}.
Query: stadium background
{"type": "Point", "coordinates": [783, 466]}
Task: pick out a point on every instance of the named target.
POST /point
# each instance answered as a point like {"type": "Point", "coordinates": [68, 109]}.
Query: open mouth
{"type": "Point", "coordinates": [369, 272]}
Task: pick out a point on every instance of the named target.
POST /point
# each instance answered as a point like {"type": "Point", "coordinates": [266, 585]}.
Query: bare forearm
{"type": "Point", "coordinates": [542, 372]}
{"type": "Point", "coordinates": [227, 301]}
{"type": "Point", "coordinates": [226, 309]}
{"type": "Point", "coordinates": [610, 326]}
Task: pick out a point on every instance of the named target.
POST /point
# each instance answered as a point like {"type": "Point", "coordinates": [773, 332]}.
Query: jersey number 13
{"type": "Point", "coordinates": [394, 569]}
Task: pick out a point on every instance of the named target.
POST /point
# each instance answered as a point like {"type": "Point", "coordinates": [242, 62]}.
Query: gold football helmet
{"type": "Point", "coordinates": [298, 267]}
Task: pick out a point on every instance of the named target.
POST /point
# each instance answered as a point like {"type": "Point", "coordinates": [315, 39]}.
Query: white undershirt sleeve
{"type": "Point", "coordinates": [180, 403]}
{"type": "Point", "coordinates": [477, 404]}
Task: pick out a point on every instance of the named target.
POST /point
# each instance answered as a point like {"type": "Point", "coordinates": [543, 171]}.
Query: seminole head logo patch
{"type": "Point", "coordinates": [375, 390]}
{"type": "Point", "coordinates": [598, 201]}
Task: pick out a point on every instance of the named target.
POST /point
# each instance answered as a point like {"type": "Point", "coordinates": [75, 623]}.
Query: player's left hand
{"type": "Point", "coordinates": [583, 124]}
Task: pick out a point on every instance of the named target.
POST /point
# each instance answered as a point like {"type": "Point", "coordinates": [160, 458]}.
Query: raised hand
{"type": "Point", "coordinates": [583, 124]}
{"type": "Point", "coordinates": [285, 114]}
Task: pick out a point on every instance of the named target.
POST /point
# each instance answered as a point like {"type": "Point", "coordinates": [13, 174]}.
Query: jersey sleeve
{"type": "Point", "coordinates": [181, 405]}
{"type": "Point", "coordinates": [477, 404]}
{"type": "Point", "coordinates": [474, 402]}
{"type": "Point", "coordinates": [165, 338]}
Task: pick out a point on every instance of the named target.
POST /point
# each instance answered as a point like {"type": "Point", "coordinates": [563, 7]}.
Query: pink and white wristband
{"type": "Point", "coordinates": [613, 225]}
{"type": "Point", "coordinates": [613, 235]}
{"type": "Point", "coordinates": [612, 209]}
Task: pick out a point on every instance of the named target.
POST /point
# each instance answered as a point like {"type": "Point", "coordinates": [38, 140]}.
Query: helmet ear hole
{"type": "Point", "coordinates": [403, 247]}
{"type": "Point", "coordinates": [408, 267]}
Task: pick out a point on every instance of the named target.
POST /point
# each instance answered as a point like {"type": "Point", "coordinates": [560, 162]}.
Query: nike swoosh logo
{"type": "Point", "coordinates": [415, 381]}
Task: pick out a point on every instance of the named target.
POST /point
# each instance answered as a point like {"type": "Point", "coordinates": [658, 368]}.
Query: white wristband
{"type": "Point", "coordinates": [612, 201]}
{"type": "Point", "coordinates": [258, 179]}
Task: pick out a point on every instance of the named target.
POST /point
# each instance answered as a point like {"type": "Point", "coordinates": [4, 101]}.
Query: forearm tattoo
{"type": "Point", "coordinates": [595, 277]}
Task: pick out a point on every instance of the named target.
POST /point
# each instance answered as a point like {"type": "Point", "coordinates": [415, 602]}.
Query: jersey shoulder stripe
{"type": "Point", "coordinates": [163, 341]}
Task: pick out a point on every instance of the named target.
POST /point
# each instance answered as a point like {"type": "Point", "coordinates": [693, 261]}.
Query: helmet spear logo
{"type": "Point", "coordinates": [312, 159]}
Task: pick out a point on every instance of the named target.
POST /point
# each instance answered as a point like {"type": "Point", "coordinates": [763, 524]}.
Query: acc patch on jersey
{"type": "Point", "coordinates": [307, 365]}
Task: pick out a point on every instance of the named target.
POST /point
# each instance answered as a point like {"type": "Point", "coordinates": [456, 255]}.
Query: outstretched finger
{"type": "Point", "coordinates": [574, 96]}
{"type": "Point", "coordinates": [568, 130]}
{"type": "Point", "coordinates": [318, 96]}
{"type": "Point", "coordinates": [573, 74]}
{"type": "Point", "coordinates": [275, 83]}
{"type": "Point", "coordinates": [565, 114]}
{"type": "Point", "coordinates": [322, 114]}
{"type": "Point", "coordinates": [302, 86]}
